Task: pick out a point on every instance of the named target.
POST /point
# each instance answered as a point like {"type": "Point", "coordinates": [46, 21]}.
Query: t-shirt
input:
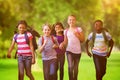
{"type": "Point", "coordinates": [74, 44]}
{"type": "Point", "coordinates": [23, 46]}
{"type": "Point", "coordinates": [48, 52]}
{"type": "Point", "coordinates": [100, 47]}
{"type": "Point", "coordinates": [60, 39]}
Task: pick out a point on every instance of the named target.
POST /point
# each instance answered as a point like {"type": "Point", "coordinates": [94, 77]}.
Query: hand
{"type": "Point", "coordinates": [61, 46]}
{"type": "Point", "coordinates": [89, 54]}
{"type": "Point", "coordinates": [54, 46]}
{"type": "Point", "coordinates": [108, 55]}
{"type": "Point", "coordinates": [33, 60]}
{"type": "Point", "coordinates": [77, 34]}
{"type": "Point", "coordinates": [9, 55]}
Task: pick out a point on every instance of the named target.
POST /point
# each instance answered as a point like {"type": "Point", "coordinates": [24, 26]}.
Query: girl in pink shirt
{"type": "Point", "coordinates": [25, 50]}
{"type": "Point", "coordinates": [72, 41]}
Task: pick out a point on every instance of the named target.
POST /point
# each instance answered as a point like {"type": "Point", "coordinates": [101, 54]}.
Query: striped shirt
{"type": "Point", "coordinates": [23, 47]}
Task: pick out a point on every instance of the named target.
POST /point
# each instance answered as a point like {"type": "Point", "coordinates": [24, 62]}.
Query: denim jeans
{"type": "Point", "coordinates": [73, 63]}
{"type": "Point", "coordinates": [24, 63]}
{"type": "Point", "coordinates": [60, 64]}
{"type": "Point", "coordinates": [100, 66]}
{"type": "Point", "coordinates": [49, 69]}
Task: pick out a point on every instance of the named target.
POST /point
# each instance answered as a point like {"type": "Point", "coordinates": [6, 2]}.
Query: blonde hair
{"type": "Point", "coordinates": [46, 24]}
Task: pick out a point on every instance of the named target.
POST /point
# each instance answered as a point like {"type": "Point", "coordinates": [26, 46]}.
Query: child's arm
{"type": "Point", "coordinates": [33, 53]}
{"type": "Point", "coordinates": [80, 36]}
{"type": "Point", "coordinates": [10, 49]}
{"type": "Point", "coordinates": [64, 43]}
{"type": "Point", "coordinates": [41, 47]}
{"type": "Point", "coordinates": [56, 44]}
{"type": "Point", "coordinates": [87, 49]}
{"type": "Point", "coordinates": [111, 42]}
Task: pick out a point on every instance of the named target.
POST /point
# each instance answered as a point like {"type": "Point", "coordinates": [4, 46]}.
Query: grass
{"type": "Point", "coordinates": [9, 70]}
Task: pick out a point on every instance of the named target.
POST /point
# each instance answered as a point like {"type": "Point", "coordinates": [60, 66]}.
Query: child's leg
{"type": "Point", "coordinates": [20, 68]}
{"type": "Point", "coordinates": [100, 66]}
{"type": "Point", "coordinates": [28, 61]}
{"type": "Point", "coordinates": [103, 62]}
{"type": "Point", "coordinates": [76, 65]}
{"type": "Point", "coordinates": [53, 70]}
{"type": "Point", "coordinates": [62, 61]}
{"type": "Point", "coordinates": [46, 69]}
{"type": "Point", "coordinates": [70, 64]}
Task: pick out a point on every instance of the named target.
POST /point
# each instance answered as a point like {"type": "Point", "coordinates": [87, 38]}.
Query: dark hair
{"type": "Point", "coordinates": [21, 22]}
{"type": "Point", "coordinates": [53, 28]}
{"type": "Point", "coordinates": [98, 21]}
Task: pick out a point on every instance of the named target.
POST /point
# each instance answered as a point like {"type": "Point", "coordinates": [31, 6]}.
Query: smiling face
{"type": "Point", "coordinates": [71, 20]}
{"type": "Point", "coordinates": [46, 30]}
{"type": "Point", "coordinates": [58, 28]}
{"type": "Point", "coordinates": [98, 26]}
{"type": "Point", "coordinates": [21, 28]}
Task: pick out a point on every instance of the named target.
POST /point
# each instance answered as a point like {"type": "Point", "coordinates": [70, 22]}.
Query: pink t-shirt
{"type": "Point", "coordinates": [74, 44]}
{"type": "Point", "coordinates": [23, 47]}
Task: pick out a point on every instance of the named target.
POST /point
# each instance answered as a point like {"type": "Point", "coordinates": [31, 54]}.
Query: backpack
{"type": "Point", "coordinates": [27, 39]}
{"type": "Point", "coordinates": [104, 36]}
{"type": "Point", "coordinates": [51, 38]}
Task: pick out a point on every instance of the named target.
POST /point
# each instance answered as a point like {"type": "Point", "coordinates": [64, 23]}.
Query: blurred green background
{"type": "Point", "coordinates": [38, 12]}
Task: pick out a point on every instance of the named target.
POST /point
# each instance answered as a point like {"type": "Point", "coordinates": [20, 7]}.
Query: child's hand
{"type": "Point", "coordinates": [89, 54]}
{"type": "Point", "coordinates": [77, 34]}
{"type": "Point", "coordinates": [55, 46]}
{"type": "Point", "coordinates": [33, 60]}
{"type": "Point", "coordinates": [9, 55]}
{"type": "Point", "coordinates": [61, 46]}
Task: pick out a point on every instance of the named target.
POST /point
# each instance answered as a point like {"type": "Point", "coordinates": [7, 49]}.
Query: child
{"type": "Point", "coordinates": [73, 36]}
{"type": "Point", "coordinates": [47, 44]}
{"type": "Point", "coordinates": [99, 48]}
{"type": "Point", "coordinates": [25, 51]}
{"type": "Point", "coordinates": [58, 29]}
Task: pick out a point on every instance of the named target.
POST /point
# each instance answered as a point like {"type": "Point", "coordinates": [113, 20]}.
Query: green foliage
{"type": "Point", "coordinates": [38, 12]}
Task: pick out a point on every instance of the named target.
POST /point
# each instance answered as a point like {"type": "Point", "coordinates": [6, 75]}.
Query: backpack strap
{"type": "Point", "coordinates": [42, 40]}
{"type": "Point", "coordinates": [26, 38]}
{"type": "Point", "coordinates": [104, 35]}
{"type": "Point", "coordinates": [51, 38]}
{"type": "Point", "coordinates": [15, 38]}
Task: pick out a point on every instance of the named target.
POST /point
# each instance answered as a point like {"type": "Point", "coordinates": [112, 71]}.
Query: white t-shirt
{"type": "Point", "coordinates": [100, 47]}
{"type": "Point", "coordinates": [74, 44]}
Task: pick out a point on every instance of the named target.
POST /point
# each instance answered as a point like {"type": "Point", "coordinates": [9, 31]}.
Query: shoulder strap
{"type": "Point", "coordinates": [53, 39]}
{"type": "Point", "coordinates": [42, 39]}
{"type": "Point", "coordinates": [26, 38]}
{"type": "Point", "coordinates": [93, 38]}
{"type": "Point", "coordinates": [104, 35]}
{"type": "Point", "coordinates": [15, 38]}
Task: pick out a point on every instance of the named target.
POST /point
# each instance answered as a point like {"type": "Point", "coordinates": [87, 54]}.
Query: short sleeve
{"type": "Point", "coordinates": [14, 37]}
{"type": "Point", "coordinates": [29, 35]}
{"type": "Point", "coordinates": [40, 41]}
{"type": "Point", "coordinates": [90, 36]}
{"type": "Point", "coordinates": [108, 36]}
